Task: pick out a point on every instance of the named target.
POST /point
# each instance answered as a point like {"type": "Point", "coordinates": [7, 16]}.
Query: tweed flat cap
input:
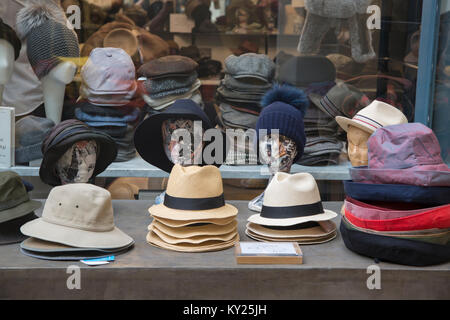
{"type": "Point", "coordinates": [250, 65]}
{"type": "Point", "coordinates": [168, 66]}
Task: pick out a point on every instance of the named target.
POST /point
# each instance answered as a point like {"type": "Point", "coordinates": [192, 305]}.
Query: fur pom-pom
{"type": "Point", "coordinates": [35, 13]}
{"type": "Point", "coordinates": [287, 94]}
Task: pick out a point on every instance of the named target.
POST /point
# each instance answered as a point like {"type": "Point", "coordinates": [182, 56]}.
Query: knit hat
{"type": "Point", "coordinates": [30, 132]}
{"type": "Point", "coordinates": [283, 109]}
{"type": "Point", "coordinates": [43, 24]}
{"type": "Point", "coordinates": [7, 33]}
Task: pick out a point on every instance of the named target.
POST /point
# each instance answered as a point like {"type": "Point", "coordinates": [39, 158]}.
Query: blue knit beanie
{"type": "Point", "coordinates": [283, 109]}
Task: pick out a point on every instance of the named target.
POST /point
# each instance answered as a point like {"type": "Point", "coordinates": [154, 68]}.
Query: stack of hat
{"type": "Point", "coordinates": [30, 132]}
{"type": "Point", "coordinates": [194, 216]}
{"type": "Point", "coordinates": [16, 208]}
{"type": "Point", "coordinates": [247, 78]}
{"type": "Point", "coordinates": [316, 74]}
{"type": "Point", "coordinates": [398, 208]}
{"type": "Point", "coordinates": [292, 212]}
{"type": "Point", "coordinates": [77, 223]}
{"type": "Point", "coordinates": [106, 94]}
{"type": "Point", "coordinates": [168, 79]}
{"type": "Point", "coordinates": [62, 137]}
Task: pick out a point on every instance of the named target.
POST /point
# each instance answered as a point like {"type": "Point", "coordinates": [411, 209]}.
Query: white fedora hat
{"type": "Point", "coordinates": [375, 116]}
{"type": "Point", "coordinates": [290, 200]}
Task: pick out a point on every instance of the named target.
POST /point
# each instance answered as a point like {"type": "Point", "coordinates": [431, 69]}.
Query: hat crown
{"type": "Point", "coordinates": [195, 182]}
{"type": "Point", "coordinates": [403, 146]}
{"type": "Point", "coordinates": [12, 190]}
{"type": "Point", "coordinates": [382, 113]}
{"type": "Point", "coordinates": [347, 98]}
{"type": "Point", "coordinates": [286, 190]}
{"type": "Point", "coordinates": [81, 206]}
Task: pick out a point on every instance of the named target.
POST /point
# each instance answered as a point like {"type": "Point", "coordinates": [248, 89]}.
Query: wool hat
{"type": "Point", "coordinates": [30, 132]}
{"type": "Point", "coordinates": [301, 71]}
{"type": "Point", "coordinates": [433, 196]}
{"type": "Point", "coordinates": [7, 33]}
{"type": "Point", "coordinates": [168, 66]}
{"type": "Point", "coordinates": [375, 116]}
{"type": "Point", "coordinates": [194, 193]}
{"type": "Point", "coordinates": [14, 199]}
{"type": "Point", "coordinates": [391, 249]}
{"type": "Point", "coordinates": [404, 154]}
{"type": "Point", "coordinates": [149, 132]}
{"type": "Point", "coordinates": [78, 215]}
{"type": "Point", "coordinates": [108, 71]}
{"type": "Point", "coordinates": [62, 137]}
{"type": "Point", "coordinates": [43, 25]}
{"type": "Point", "coordinates": [250, 65]}
{"type": "Point", "coordinates": [290, 200]}
{"type": "Point", "coordinates": [284, 109]}
{"type": "Point", "coordinates": [342, 100]}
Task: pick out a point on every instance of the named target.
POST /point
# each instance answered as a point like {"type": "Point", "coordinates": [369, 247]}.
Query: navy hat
{"type": "Point", "coordinates": [148, 136]}
{"type": "Point", "coordinates": [390, 249]}
{"type": "Point", "coordinates": [283, 109]}
{"type": "Point", "coordinates": [433, 196]}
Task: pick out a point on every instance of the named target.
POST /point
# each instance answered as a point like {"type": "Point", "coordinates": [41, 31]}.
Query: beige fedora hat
{"type": "Point", "coordinates": [376, 115]}
{"type": "Point", "coordinates": [195, 231]}
{"type": "Point", "coordinates": [325, 228]}
{"type": "Point", "coordinates": [213, 245]}
{"type": "Point", "coordinates": [194, 193]}
{"type": "Point", "coordinates": [78, 215]}
{"type": "Point", "coordinates": [122, 38]}
{"type": "Point", "coordinates": [290, 200]}
{"type": "Point", "coordinates": [303, 241]}
{"type": "Point", "coordinates": [194, 240]}
{"type": "Point", "coordinates": [181, 223]}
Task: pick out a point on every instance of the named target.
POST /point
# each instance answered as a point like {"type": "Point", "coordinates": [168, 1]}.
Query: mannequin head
{"type": "Point", "coordinates": [357, 146]}
{"type": "Point", "coordinates": [279, 151]}
{"type": "Point", "coordinates": [64, 72]}
{"type": "Point", "coordinates": [77, 164]}
{"type": "Point", "coordinates": [179, 139]}
{"type": "Point", "coordinates": [7, 59]}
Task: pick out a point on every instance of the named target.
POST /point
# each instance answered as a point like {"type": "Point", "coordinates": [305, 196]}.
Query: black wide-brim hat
{"type": "Point", "coordinates": [62, 137]}
{"type": "Point", "coordinates": [433, 196]}
{"type": "Point", "coordinates": [390, 249]}
{"type": "Point", "coordinates": [148, 138]}
{"type": "Point", "coordinates": [10, 230]}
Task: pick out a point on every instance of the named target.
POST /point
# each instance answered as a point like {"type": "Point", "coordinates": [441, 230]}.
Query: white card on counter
{"type": "Point", "coordinates": [268, 249]}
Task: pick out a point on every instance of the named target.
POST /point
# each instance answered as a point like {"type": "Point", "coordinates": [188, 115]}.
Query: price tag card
{"type": "Point", "coordinates": [268, 253]}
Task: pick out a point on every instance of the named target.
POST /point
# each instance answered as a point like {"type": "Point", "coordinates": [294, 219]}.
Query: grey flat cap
{"type": "Point", "coordinates": [250, 65]}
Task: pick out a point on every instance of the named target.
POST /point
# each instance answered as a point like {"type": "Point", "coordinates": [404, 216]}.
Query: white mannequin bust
{"type": "Point", "coordinates": [54, 87]}
{"type": "Point", "coordinates": [6, 64]}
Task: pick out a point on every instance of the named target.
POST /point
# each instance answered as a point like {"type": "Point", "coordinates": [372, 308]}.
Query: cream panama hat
{"type": "Point", "coordinates": [290, 200]}
{"type": "Point", "coordinates": [194, 193]}
{"type": "Point", "coordinates": [78, 215]}
{"type": "Point", "coordinates": [375, 116]}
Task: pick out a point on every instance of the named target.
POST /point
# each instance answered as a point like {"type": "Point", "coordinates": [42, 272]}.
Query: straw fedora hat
{"type": "Point", "coordinates": [303, 240]}
{"type": "Point", "coordinates": [122, 38]}
{"type": "Point", "coordinates": [195, 231]}
{"type": "Point", "coordinates": [323, 229]}
{"type": "Point", "coordinates": [180, 223]}
{"type": "Point", "coordinates": [78, 215]}
{"type": "Point", "coordinates": [193, 240]}
{"type": "Point", "coordinates": [376, 115]}
{"type": "Point", "coordinates": [213, 245]}
{"type": "Point", "coordinates": [290, 200]}
{"type": "Point", "coordinates": [194, 193]}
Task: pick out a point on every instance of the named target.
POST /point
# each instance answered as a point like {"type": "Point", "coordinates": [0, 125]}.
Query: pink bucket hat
{"type": "Point", "coordinates": [404, 154]}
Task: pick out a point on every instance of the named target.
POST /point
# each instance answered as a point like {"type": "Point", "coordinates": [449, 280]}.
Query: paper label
{"type": "Point", "coordinates": [268, 249]}
{"type": "Point", "coordinates": [7, 137]}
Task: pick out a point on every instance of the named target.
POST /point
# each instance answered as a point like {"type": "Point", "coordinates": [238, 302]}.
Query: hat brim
{"type": "Point", "coordinates": [71, 256]}
{"type": "Point", "coordinates": [107, 154]}
{"type": "Point", "coordinates": [21, 210]}
{"type": "Point", "coordinates": [323, 230]}
{"type": "Point", "coordinates": [193, 240]}
{"type": "Point", "coordinates": [303, 240]}
{"type": "Point", "coordinates": [194, 231]}
{"type": "Point", "coordinates": [344, 122]}
{"type": "Point", "coordinates": [43, 230]}
{"type": "Point", "coordinates": [326, 215]}
{"type": "Point", "coordinates": [252, 76]}
{"type": "Point", "coordinates": [154, 240]}
{"type": "Point", "coordinates": [315, 99]}
{"type": "Point", "coordinates": [10, 230]}
{"type": "Point", "coordinates": [181, 223]}
{"type": "Point", "coordinates": [161, 211]}
{"type": "Point", "coordinates": [38, 245]}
